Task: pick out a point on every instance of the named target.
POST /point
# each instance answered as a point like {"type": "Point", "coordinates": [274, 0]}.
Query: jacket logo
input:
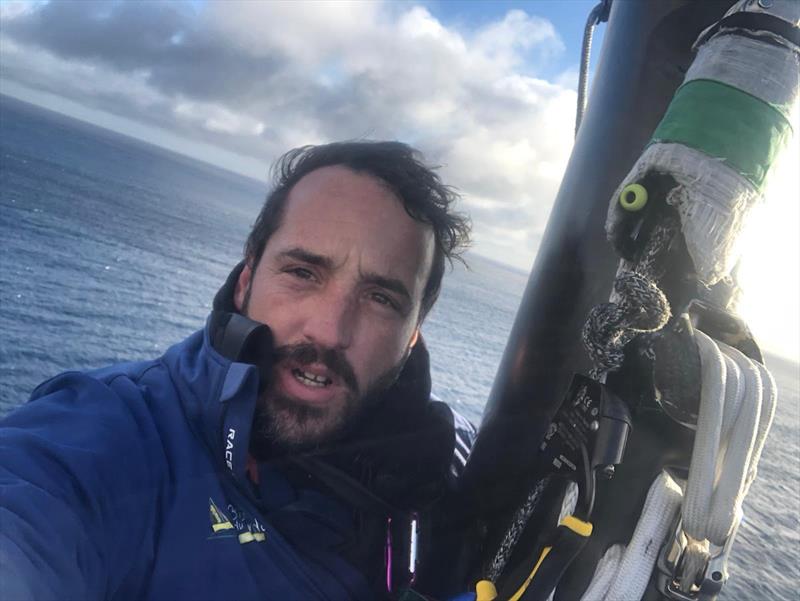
{"type": "Point", "coordinates": [240, 525]}
{"type": "Point", "coordinates": [229, 448]}
{"type": "Point", "coordinates": [219, 521]}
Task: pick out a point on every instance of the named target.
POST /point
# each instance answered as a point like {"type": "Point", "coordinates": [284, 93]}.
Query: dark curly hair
{"type": "Point", "coordinates": [425, 198]}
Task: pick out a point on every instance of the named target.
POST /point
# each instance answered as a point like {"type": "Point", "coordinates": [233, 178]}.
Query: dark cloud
{"type": "Point", "coordinates": [160, 39]}
{"type": "Point", "coordinates": [127, 35]}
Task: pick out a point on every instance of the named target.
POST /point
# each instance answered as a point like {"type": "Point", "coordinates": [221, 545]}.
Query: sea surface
{"type": "Point", "coordinates": [112, 250]}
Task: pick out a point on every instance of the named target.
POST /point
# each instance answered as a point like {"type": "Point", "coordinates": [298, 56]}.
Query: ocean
{"type": "Point", "coordinates": [112, 250]}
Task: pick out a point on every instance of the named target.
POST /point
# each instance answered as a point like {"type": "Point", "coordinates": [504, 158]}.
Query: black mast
{"type": "Point", "coordinates": [646, 53]}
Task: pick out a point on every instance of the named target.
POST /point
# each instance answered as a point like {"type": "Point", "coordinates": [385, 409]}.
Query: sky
{"type": "Point", "coordinates": [485, 89]}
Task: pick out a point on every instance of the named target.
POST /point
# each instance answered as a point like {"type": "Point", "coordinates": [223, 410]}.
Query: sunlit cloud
{"type": "Point", "coordinates": [258, 78]}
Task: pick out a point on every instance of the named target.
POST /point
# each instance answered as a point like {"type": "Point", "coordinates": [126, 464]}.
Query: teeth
{"type": "Point", "coordinates": [310, 379]}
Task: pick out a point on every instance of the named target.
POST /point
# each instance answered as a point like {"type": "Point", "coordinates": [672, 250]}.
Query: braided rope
{"type": "Point", "coordinates": [610, 326]}
{"type": "Point", "coordinates": [640, 307]}
{"type": "Point", "coordinates": [514, 531]}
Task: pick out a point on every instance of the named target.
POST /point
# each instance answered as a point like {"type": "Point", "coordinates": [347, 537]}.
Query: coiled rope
{"type": "Point", "coordinates": [737, 405]}
{"type": "Point", "coordinates": [623, 572]}
{"type": "Point", "coordinates": [738, 400]}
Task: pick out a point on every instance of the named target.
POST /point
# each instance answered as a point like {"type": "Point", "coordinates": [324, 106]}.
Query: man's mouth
{"type": "Point", "coordinates": [309, 368]}
{"type": "Point", "coordinates": [309, 379]}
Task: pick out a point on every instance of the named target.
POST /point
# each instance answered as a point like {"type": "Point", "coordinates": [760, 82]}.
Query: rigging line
{"type": "Point", "coordinates": [515, 530]}
{"type": "Point", "coordinates": [598, 14]}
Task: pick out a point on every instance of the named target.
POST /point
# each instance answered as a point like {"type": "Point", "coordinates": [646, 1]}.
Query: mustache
{"type": "Point", "coordinates": [305, 353]}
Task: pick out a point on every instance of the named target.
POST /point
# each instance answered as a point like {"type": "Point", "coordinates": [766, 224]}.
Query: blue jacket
{"type": "Point", "coordinates": [135, 481]}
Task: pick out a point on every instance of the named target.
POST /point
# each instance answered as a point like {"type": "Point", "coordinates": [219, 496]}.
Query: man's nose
{"type": "Point", "coordinates": [330, 323]}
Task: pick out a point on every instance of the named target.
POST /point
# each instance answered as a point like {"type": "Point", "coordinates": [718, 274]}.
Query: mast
{"type": "Point", "coordinates": [646, 53]}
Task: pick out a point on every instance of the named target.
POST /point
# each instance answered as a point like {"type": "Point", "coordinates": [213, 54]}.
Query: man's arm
{"type": "Point", "coordinates": [77, 491]}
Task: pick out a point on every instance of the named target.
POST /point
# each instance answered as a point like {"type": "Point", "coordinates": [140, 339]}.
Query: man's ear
{"type": "Point", "coordinates": [414, 338]}
{"type": "Point", "coordinates": [242, 286]}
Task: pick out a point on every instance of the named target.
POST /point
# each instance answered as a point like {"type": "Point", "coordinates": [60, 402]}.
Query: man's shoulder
{"type": "Point", "coordinates": [103, 409]}
{"type": "Point", "coordinates": [117, 382]}
{"type": "Point", "coordinates": [125, 380]}
{"type": "Point", "coordinates": [91, 453]}
{"type": "Point", "coordinates": [463, 427]}
{"type": "Point", "coordinates": [464, 434]}
{"type": "Point", "coordinates": [104, 406]}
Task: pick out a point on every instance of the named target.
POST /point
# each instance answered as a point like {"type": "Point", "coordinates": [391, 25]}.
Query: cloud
{"type": "Point", "coordinates": [257, 78]}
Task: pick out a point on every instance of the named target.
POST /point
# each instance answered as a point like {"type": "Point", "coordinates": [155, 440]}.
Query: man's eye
{"type": "Point", "coordinates": [383, 299]}
{"type": "Point", "coordinates": [300, 273]}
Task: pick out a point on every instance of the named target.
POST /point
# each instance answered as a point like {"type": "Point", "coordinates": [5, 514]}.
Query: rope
{"type": "Point", "coordinates": [623, 573]}
{"type": "Point", "coordinates": [735, 416]}
{"type": "Point", "coordinates": [706, 441]}
{"type": "Point", "coordinates": [738, 398]}
{"type": "Point", "coordinates": [637, 306]}
{"type": "Point", "coordinates": [604, 573]}
{"type": "Point", "coordinates": [514, 531]}
{"type": "Point", "coordinates": [731, 430]}
{"type": "Point", "coordinates": [588, 32]}
{"type": "Point", "coordinates": [640, 307]}
{"type": "Point", "coordinates": [569, 502]}
{"type": "Point", "coordinates": [610, 326]}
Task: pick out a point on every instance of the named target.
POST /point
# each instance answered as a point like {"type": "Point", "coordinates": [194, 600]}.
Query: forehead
{"type": "Point", "coordinates": [355, 218]}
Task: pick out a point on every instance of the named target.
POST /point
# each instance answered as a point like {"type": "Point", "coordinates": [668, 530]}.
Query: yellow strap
{"type": "Point", "coordinates": [577, 525]}
{"type": "Point", "coordinates": [527, 582]}
{"type": "Point", "coordinates": [485, 591]}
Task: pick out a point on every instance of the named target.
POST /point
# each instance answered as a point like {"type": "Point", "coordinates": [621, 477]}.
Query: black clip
{"type": "Point", "coordinates": [588, 435]}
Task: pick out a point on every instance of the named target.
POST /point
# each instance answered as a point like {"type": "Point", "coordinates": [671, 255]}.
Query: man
{"type": "Point", "coordinates": [285, 451]}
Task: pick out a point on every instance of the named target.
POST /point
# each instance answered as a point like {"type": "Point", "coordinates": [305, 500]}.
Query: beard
{"type": "Point", "coordinates": [288, 425]}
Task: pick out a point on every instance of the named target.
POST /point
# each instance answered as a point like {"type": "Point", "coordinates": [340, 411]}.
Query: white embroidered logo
{"type": "Point", "coordinates": [229, 448]}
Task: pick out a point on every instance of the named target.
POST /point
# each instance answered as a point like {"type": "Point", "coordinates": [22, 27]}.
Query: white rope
{"type": "Point", "coordinates": [734, 391]}
{"type": "Point", "coordinates": [737, 405]}
{"type": "Point", "coordinates": [604, 573]}
{"type": "Point", "coordinates": [633, 574]}
{"type": "Point", "coordinates": [769, 402]}
{"type": "Point", "coordinates": [570, 501]}
{"type": "Point", "coordinates": [627, 577]}
{"type": "Point", "coordinates": [740, 435]}
{"type": "Point", "coordinates": [703, 467]}
{"type": "Point", "coordinates": [730, 443]}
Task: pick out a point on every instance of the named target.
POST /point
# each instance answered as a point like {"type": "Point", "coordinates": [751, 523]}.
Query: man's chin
{"type": "Point", "coordinates": [286, 424]}
{"type": "Point", "coordinates": [293, 425]}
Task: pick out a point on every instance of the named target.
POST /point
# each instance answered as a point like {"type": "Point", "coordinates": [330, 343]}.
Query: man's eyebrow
{"type": "Point", "coordinates": [306, 256]}
{"type": "Point", "coordinates": [391, 284]}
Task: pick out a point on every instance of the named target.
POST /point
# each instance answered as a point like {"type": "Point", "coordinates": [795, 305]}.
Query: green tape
{"type": "Point", "coordinates": [726, 123]}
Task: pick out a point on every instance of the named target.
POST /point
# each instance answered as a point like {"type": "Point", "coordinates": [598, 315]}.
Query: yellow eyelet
{"type": "Point", "coordinates": [633, 197]}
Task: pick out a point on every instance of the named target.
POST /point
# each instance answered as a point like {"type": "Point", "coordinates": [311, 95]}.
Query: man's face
{"type": "Point", "coordinates": [340, 284]}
